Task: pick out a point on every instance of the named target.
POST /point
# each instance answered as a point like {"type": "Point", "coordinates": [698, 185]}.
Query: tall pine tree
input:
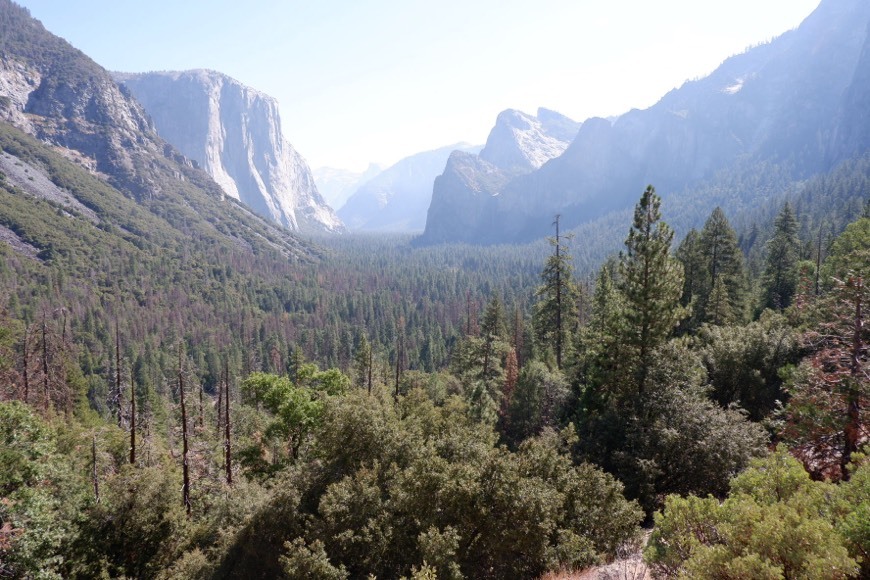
{"type": "Point", "coordinates": [651, 281]}
{"type": "Point", "coordinates": [556, 313]}
{"type": "Point", "coordinates": [783, 252]}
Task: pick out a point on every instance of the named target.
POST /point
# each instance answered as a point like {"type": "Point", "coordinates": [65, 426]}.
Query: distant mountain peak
{"type": "Point", "coordinates": [519, 142]}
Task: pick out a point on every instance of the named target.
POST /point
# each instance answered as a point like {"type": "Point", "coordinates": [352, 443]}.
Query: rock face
{"type": "Point", "coordinates": [520, 143]}
{"type": "Point", "coordinates": [464, 196]}
{"type": "Point", "coordinates": [55, 93]}
{"type": "Point", "coordinates": [799, 102]}
{"type": "Point", "coordinates": [397, 199]}
{"type": "Point", "coordinates": [234, 133]}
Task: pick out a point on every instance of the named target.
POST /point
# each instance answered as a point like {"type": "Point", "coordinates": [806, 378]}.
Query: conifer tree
{"type": "Point", "coordinates": [651, 282]}
{"type": "Point", "coordinates": [783, 253]}
{"type": "Point", "coordinates": [363, 364]}
{"type": "Point", "coordinates": [556, 313]}
{"type": "Point", "coordinates": [723, 263]}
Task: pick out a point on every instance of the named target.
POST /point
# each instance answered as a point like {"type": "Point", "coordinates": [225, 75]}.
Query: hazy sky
{"type": "Point", "coordinates": [376, 80]}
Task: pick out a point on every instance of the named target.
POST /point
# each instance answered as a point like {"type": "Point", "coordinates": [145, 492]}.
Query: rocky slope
{"type": "Point", "coordinates": [234, 133]}
{"type": "Point", "coordinates": [55, 93]}
{"type": "Point", "coordinates": [520, 143]}
{"type": "Point", "coordinates": [794, 102]}
{"type": "Point", "coordinates": [462, 197]}
{"type": "Point", "coordinates": [398, 198]}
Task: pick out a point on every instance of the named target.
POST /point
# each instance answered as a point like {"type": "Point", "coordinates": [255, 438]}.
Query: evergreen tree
{"type": "Point", "coordinates": [689, 254]}
{"type": "Point", "coordinates": [651, 281]}
{"type": "Point", "coordinates": [723, 263]}
{"type": "Point", "coordinates": [556, 313]}
{"type": "Point", "coordinates": [363, 364]}
{"type": "Point", "coordinates": [783, 252]}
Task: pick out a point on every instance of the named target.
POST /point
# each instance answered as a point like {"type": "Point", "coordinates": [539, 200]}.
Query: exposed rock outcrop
{"type": "Point", "coordinates": [234, 133]}
{"type": "Point", "coordinates": [398, 198]}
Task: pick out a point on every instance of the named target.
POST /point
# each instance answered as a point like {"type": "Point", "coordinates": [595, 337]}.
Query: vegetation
{"type": "Point", "coordinates": [363, 407]}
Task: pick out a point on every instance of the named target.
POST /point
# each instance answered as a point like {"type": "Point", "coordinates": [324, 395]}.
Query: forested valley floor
{"type": "Point", "coordinates": [373, 408]}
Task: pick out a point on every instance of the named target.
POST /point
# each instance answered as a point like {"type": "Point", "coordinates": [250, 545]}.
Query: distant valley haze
{"type": "Point", "coordinates": [383, 80]}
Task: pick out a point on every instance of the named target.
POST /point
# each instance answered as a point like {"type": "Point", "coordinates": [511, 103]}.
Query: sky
{"type": "Point", "coordinates": [361, 81]}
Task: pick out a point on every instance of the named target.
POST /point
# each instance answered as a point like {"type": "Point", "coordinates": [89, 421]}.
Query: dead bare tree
{"type": "Point", "coordinates": [185, 469]}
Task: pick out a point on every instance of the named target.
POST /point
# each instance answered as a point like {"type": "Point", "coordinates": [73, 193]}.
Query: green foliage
{"type": "Point", "coordinates": [138, 527]}
{"type": "Point", "coordinates": [39, 497]}
{"type": "Point", "coordinates": [783, 253]}
{"type": "Point", "coordinates": [775, 524]}
{"type": "Point", "coordinates": [850, 253]}
{"type": "Point", "coordinates": [556, 309]}
{"type": "Point", "coordinates": [417, 486]}
{"type": "Point", "coordinates": [651, 282]}
{"type": "Point", "coordinates": [743, 362]}
{"type": "Point", "coordinates": [309, 561]}
{"type": "Point", "coordinates": [296, 408]}
{"type": "Point", "coordinates": [538, 402]}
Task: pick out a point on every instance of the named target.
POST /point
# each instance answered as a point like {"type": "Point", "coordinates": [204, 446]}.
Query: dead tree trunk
{"type": "Point", "coordinates": [96, 479]}
{"type": "Point", "coordinates": [227, 437]}
{"type": "Point", "coordinates": [132, 421]}
{"type": "Point", "coordinates": [26, 364]}
{"type": "Point", "coordinates": [116, 396]}
{"type": "Point", "coordinates": [185, 489]}
{"type": "Point", "coordinates": [46, 392]}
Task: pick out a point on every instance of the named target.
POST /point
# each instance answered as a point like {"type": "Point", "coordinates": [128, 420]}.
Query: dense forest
{"type": "Point", "coordinates": [345, 407]}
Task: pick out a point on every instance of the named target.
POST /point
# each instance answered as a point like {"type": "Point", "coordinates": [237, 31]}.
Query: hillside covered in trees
{"type": "Point", "coordinates": [189, 391]}
{"type": "Point", "coordinates": [558, 417]}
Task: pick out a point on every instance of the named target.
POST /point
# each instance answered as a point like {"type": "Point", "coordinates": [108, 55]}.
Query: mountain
{"type": "Point", "coordinates": [397, 199]}
{"type": "Point", "coordinates": [234, 133]}
{"type": "Point", "coordinates": [798, 102]}
{"type": "Point", "coordinates": [337, 185]}
{"type": "Point", "coordinates": [517, 145]}
{"type": "Point", "coordinates": [521, 143]}
{"type": "Point", "coordinates": [94, 156]}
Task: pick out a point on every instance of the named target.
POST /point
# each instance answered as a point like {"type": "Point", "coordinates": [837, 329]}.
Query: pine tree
{"type": "Point", "coordinates": [363, 364]}
{"type": "Point", "coordinates": [723, 263]}
{"type": "Point", "coordinates": [651, 282]}
{"type": "Point", "coordinates": [556, 313]}
{"type": "Point", "coordinates": [783, 252]}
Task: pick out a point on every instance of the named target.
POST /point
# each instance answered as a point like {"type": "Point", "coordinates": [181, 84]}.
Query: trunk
{"type": "Point", "coordinates": [94, 469]}
{"type": "Point", "coordinates": [201, 419]}
{"type": "Point", "coordinates": [117, 395]}
{"type": "Point", "coordinates": [370, 371]}
{"type": "Point", "coordinates": [853, 411]}
{"type": "Point", "coordinates": [227, 440]}
{"type": "Point", "coordinates": [818, 260]}
{"type": "Point", "coordinates": [220, 405]}
{"type": "Point", "coordinates": [132, 421]}
{"type": "Point", "coordinates": [45, 388]}
{"type": "Point", "coordinates": [184, 449]}
{"type": "Point", "coordinates": [25, 365]}
{"type": "Point", "coordinates": [558, 301]}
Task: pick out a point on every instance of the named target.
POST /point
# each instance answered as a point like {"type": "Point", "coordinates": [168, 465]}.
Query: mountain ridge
{"type": "Point", "coordinates": [773, 102]}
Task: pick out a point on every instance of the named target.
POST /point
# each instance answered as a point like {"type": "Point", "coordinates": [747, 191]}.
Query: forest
{"type": "Point", "coordinates": [355, 407]}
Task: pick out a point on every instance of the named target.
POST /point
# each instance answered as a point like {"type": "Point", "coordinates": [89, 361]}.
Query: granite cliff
{"type": "Point", "coordinates": [234, 133]}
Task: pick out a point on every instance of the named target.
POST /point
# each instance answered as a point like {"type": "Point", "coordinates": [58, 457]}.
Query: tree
{"type": "Point", "coordinates": [783, 252]}
{"type": "Point", "coordinates": [556, 312]}
{"type": "Point", "coordinates": [363, 364]}
{"type": "Point", "coordinates": [775, 524]}
{"type": "Point", "coordinates": [689, 254]}
{"type": "Point", "coordinates": [651, 282]}
{"type": "Point", "coordinates": [723, 266]}
{"type": "Point", "coordinates": [831, 386]}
